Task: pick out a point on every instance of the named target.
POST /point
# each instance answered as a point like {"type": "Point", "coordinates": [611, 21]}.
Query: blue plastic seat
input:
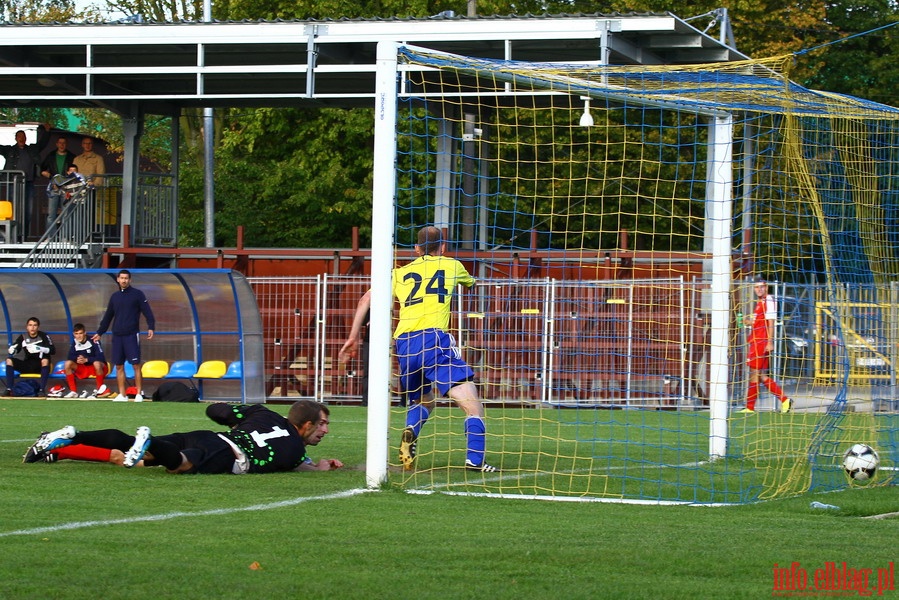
{"type": "Point", "coordinates": [59, 370]}
{"type": "Point", "coordinates": [129, 371]}
{"type": "Point", "coordinates": [182, 369]}
{"type": "Point", "coordinates": [3, 369]}
{"type": "Point", "coordinates": [235, 371]}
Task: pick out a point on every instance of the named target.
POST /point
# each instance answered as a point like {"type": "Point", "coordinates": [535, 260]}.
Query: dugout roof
{"type": "Point", "coordinates": [201, 315]}
{"type": "Point", "coordinates": [168, 66]}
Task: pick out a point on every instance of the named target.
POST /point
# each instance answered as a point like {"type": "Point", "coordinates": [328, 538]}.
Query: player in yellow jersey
{"type": "Point", "coordinates": [427, 353]}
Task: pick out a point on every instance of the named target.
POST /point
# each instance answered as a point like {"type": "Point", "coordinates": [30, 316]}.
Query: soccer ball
{"type": "Point", "coordinates": [860, 462]}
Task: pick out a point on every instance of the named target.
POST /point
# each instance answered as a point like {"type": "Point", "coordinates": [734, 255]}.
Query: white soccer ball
{"type": "Point", "coordinates": [860, 462]}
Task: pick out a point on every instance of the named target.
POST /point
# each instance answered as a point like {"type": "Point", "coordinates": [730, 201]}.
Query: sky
{"type": "Point", "coordinates": [110, 15]}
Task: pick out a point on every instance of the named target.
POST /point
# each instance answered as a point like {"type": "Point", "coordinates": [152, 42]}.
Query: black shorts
{"type": "Point", "coordinates": [126, 348]}
{"type": "Point", "coordinates": [208, 453]}
{"type": "Point", "coordinates": [28, 365]}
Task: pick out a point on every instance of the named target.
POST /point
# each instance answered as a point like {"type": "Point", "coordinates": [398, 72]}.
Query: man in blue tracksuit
{"type": "Point", "coordinates": [126, 307]}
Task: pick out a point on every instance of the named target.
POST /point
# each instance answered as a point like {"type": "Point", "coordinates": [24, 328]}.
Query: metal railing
{"type": "Point", "coordinates": [155, 221]}
{"type": "Point", "coordinates": [627, 343]}
{"type": "Point", "coordinates": [633, 343]}
{"type": "Point", "coordinates": [69, 241]}
{"type": "Point", "coordinates": [91, 219]}
{"type": "Point", "coordinates": [12, 189]}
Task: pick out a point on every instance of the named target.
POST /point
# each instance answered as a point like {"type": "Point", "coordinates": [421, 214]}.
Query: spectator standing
{"type": "Point", "coordinates": [37, 348]}
{"type": "Point", "coordinates": [89, 163]}
{"type": "Point", "coordinates": [123, 312]}
{"type": "Point", "coordinates": [59, 190]}
{"type": "Point", "coordinates": [56, 163]}
{"type": "Point", "coordinates": [26, 158]}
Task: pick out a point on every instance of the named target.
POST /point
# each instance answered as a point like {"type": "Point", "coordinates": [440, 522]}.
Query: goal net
{"type": "Point", "coordinates": [617, 221]}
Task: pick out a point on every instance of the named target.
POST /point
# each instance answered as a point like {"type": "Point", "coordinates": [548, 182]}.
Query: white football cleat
{"type": "Point", "coordinates": [50, 441]}
{"type": "Point", "coordinates": [137, 451]}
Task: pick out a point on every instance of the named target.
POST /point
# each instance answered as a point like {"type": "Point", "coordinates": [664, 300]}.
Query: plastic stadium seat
{"type": "Point", "coordinates": [59, 370]}
{"type": "Point", "coordinates": [182, 369]}
{"type": "Point", "coordinates": [211, 369]}
{"type": "Point", "coordinates": [129, 371]}
{"type": "Point", "coordinates": [235, 371]}
{"type": "Point", "coordinates": [154, 369]}
{"type": "Point", "coordinates": [6, 221]}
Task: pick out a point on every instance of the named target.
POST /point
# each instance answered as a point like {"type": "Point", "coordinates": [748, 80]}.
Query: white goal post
{"type": "Point", "coordinates": [717, 245]}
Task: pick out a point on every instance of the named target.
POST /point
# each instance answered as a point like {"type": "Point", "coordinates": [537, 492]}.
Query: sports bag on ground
{"type": "Point", "coordinates": [175, 391]}
{"type": "Point", "coordinates": [26, 388]}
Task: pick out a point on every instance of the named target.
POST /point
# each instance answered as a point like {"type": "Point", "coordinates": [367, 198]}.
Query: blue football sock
{"type": "Point", "coordinates": [45, 374]}
{"type": "Point", "coordinates": [476, 434]}
{"type": "Point", "coordinates": [416, 417]}
{"type": "Point", "coordinates": [10, 377]}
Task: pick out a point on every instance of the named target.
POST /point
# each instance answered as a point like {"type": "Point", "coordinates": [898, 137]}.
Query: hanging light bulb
{"type": "Point", "coordinates": [586, 118]}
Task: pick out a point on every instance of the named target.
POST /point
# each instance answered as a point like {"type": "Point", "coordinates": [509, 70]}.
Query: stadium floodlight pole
{"type": "Point", "coordinates": [382, 245]}
{"type": "Point", "coordinates": [719, 212]}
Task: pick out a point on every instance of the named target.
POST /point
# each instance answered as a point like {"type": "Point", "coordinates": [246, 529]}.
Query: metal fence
{"type": "Point", "coordinates": [69, 241]}
{"type": "Point", "coordinates": [155, 221]}
{"type": "Point", "coordinates": [640, 343]}
{"type": "Point", "coordinates": [618, 343]}
{"type": "Point", "coordinates": [305, 322]}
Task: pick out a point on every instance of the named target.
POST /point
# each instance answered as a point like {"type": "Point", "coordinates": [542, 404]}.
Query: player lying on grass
{"type": "Point", "coordinates": [259, 441]}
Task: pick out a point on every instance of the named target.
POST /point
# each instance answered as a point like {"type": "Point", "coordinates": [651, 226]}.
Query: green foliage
{"type": "Point", "coordinates": [36, 11]}
{"type": "Point", "coordinates": [303, 178]}
{"type": "Point", "coordinates": [863, 66]}
{"type": "Point", "coordinates": [54, 116]}
{"type": "Point", "coordinates": [160, 10]}
{"type": "Point", "coordinates": [156, 142]}
{"type": "Point", "coordinates": [307, 190]}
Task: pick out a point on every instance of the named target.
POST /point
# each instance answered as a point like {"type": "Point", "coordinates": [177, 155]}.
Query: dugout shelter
{"type": "Point", "coordinates": [202, 315]}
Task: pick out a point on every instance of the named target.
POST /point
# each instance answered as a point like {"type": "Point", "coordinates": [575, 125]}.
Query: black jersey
{"type": "Point", "coordinates": [37, 347]}
{"type": "Point", "coordinates": [269, 441]}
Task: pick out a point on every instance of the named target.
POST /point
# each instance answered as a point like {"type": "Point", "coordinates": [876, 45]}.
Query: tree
{"type": "Point", "coordinates": [38, 11]}
{"type": "Point", "coordinates": [859, 65]}
{"type": "Point", "coordinates": [297, 177]}
{"type": "Point", "coordinates": [307, 190]}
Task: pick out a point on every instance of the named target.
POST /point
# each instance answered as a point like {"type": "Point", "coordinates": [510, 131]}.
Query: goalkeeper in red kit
{"type": "Point", "coordinates": [761, 344]}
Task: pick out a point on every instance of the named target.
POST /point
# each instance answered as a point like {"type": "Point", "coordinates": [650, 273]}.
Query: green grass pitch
{"type": "Point", "coordinates": [85, 530]}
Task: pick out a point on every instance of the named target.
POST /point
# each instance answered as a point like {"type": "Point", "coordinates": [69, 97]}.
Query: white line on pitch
{"type": "Point", "coordinates": [178, 515]}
